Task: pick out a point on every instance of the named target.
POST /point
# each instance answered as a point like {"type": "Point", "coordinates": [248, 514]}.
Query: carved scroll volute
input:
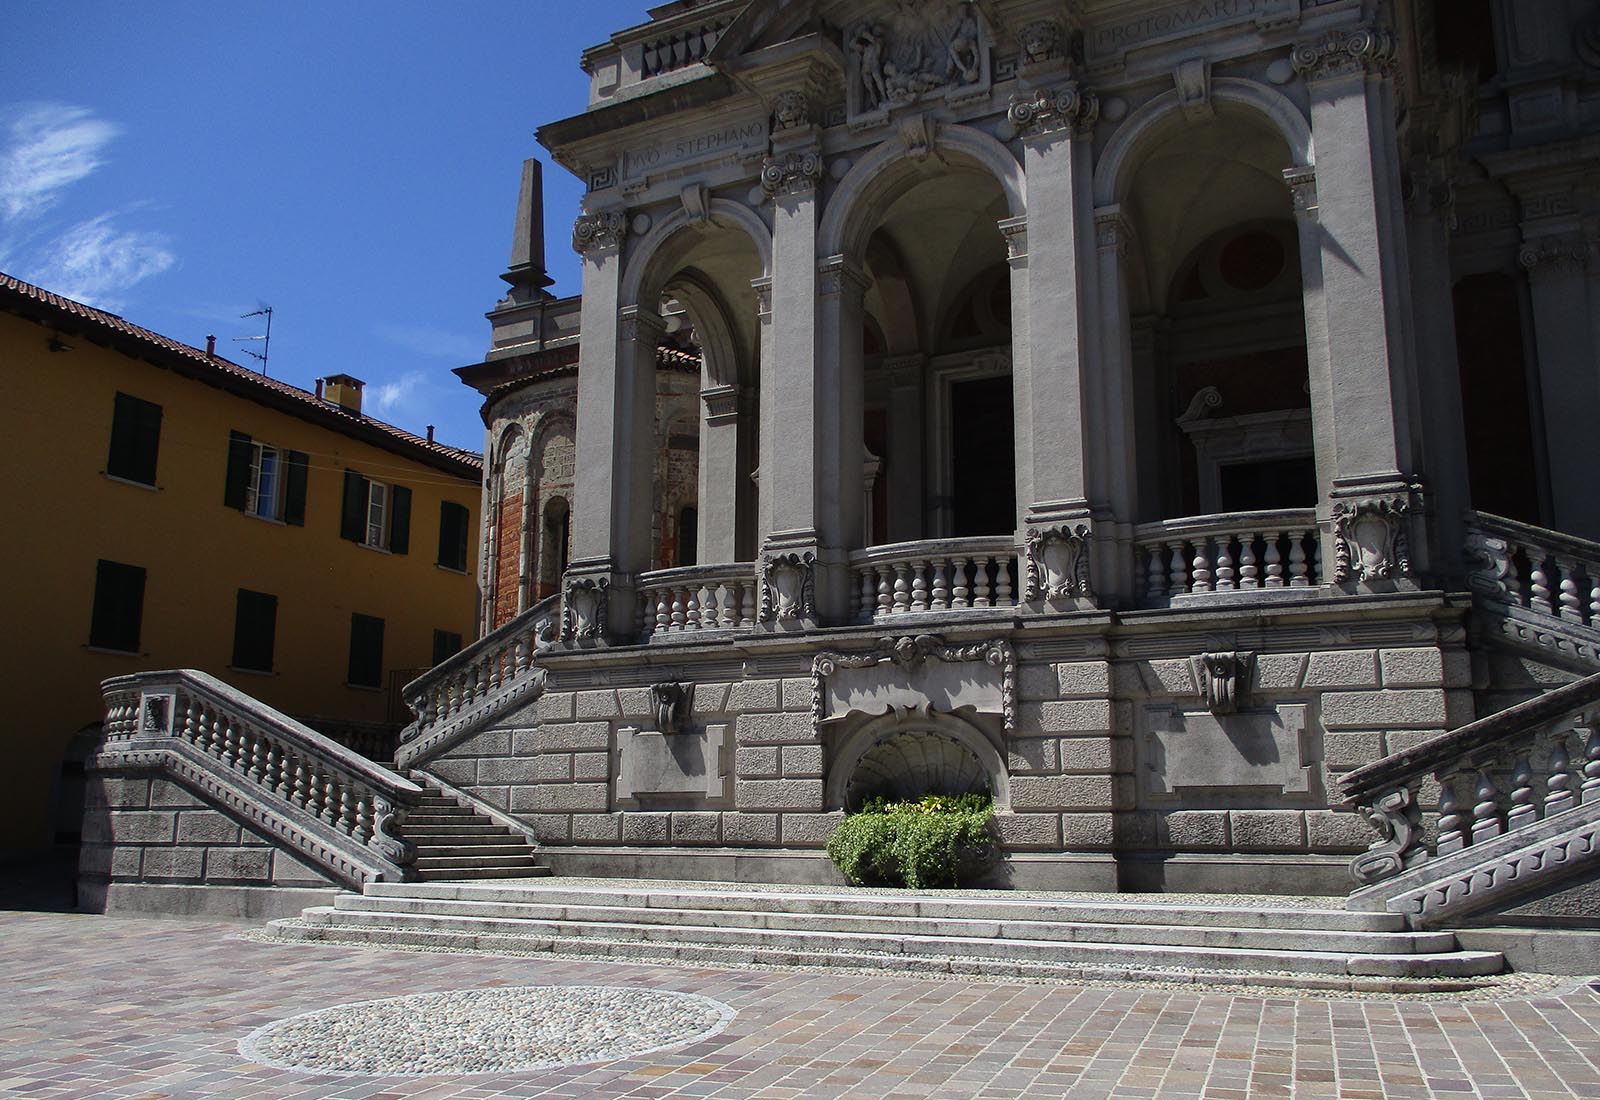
{"type": "Point", "coordinates": [1398, 820]}
{"type": "Point", "coordinates": [1224, 680]}
{"type": "Point", "coordinates": [387, 817]}
{"type": "Point", "coordinates": [1489, 564]}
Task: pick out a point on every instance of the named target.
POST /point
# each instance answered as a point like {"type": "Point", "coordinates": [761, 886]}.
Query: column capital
{"type": "Point", "coordinates": [1015, 231]}
{"type": "Point", "coordinates": [1562, 253]}
{"type": "Point", "coordinates": [604, 231]}
{"type": "Point", "coordinates": [637, 323]}
{"type": "Point", "coordinates": [722, 403]}
{"type": "Point", "coordinates": [1348, 52]}
{"type": "Point", "coordinates": [1113, 232]}
{"type": "Point", "coordinates": [1070, 107]}
{"type": "Point", "coordinates": [763, 289]}
{"type": "Point", "coordinates": [1302, 182]}
{"type": "Point", "coordinates": [794, 173]}
{"type": "Point", "coordinates": [840, 275]}
{"type": "Point", "coordinates": [905, 370]}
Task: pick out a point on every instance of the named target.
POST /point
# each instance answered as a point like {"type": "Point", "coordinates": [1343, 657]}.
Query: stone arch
{"type": "Point", "coordinates": [511, 485]}
{"type": "Point", "coordinates": [644, 265]}
{"type": "Point", "coordinates": [708, 312]}
{"type": "Point", "coordinates": [850, 210]}
{"type": "Point", "coordinates": [1119, 161]}
{"type": "Point", "coordinates": [961, 733]}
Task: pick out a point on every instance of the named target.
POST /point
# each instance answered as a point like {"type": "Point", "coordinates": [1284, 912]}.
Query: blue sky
{"type": "Point", "coordinates": [354, 165]}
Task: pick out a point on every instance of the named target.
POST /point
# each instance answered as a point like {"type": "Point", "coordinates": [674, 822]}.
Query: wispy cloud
{"type": "Point", "coordinates": [392, 397]}
{"type": "Point", "coordinates": [430, 341]}
{"type": "Point", "coordinates": [49, 147]}
{"type": "Point", "coordinates": [97, 262]}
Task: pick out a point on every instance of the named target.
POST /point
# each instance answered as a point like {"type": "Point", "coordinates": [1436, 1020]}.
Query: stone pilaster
{"type": "Point", "coordinates": [720, 445]}
{"type": "Point", "coordinates": [904, 476]}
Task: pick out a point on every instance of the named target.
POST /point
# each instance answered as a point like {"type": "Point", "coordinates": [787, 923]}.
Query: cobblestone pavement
{"type": "Point", "coordinates": [118, 1009]}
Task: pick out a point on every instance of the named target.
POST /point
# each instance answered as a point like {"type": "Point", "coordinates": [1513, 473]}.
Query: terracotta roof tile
{"type": "Point", "coordinates": [41, 305]}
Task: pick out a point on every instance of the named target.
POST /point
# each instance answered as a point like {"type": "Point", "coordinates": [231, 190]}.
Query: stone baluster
{"type": "Point", "coordinates": [1558, 790]}
{"type": "Point", "coordinates": [191, 723]}
{"type": "Point", "coordinates": [919, 586]}
{"type": "Point", "coordinates": [1002, 583]}
{"type": "Point", "coordinates": [1201, 569]}
{"type": "Point", "coordinates": [1180, 569]}
{"type": "Point", "coordinates": [959, 592]}
{"type": "Point", "coordinates": [691, 608]}
{"type": "Point", "coordinates": [1316, 574]}
{"type": "Point", "coordinates": [1298, 572]}
{"type": "Point", "coordinates": [1539, 582]}
{"type": "Point", "coordinates": [747, 606]}
{"type": "Point", "coordinates": [980, 582]}
{"type": "Point", "coordinates": [300, 782]}
{"type": "Point", "coordinates": [1571, 602]}
{"type": "Point", "coordinates": [1590, 791]}
{"type": "Point", "coordinates": [885, 590]}
{"type": "Point", "coordinates": [710, 606]}
{"type": "Point", "coordinates": [1226, 574]}
{"type": "Point", "coordinates": [663, 611]}
{"type": "Point", "coordinates": [1155, 587]}
{"type": "Point", "coordinates": [328, 804]}
{"type": "Point", "coordinates": [1274, 560]}
{"type": "Point", "coordinates": [231, 746]}
{"type": "Point", "coordinates": [941, 585]}
{"type": "Point", "coordinates": [868, 601]}
{"type": "Point", "coordinates": [728, 606]}
{"type": "Point", "coordinates": [1522, 808]}
{"type": "Point", "coordinates": [1486, 822]}
{"type": "Point", "coordinates": [1593, 577]}
{"type": "Point", "coordinates": [363, 829]}
{"type": "Point", "coordinates": [677, 610]}
{"type": "Point", "coordinates": [1451, 836]}
{"type": "Point", "coordinates": [1249, 573]}
{"type": "Point", "coordinates": [274, 774]}
{"type": "Point", "coordinates": [902, 587]}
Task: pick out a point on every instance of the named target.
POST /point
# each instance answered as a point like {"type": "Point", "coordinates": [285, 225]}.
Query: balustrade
{"type": "Point", "coordinates": [490, 667]}
{"type": "Point", "coordinates": [1244, 552]}
{"type": "Point", "coordinates": [1547, 573]}
{"type": "Point", "coordinates": [263, 760]}
{"type": "Point", "coordinates": [1496, 776]}
{"type": "Point", "coordinates": [698, 599]}
{"type": "Point", "coordinates": [934, 576]}
{"type": "Point", "coordinates": [681, 48]}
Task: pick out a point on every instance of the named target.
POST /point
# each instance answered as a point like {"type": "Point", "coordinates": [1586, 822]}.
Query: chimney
{"type": "Point", "coordinates": [319, 389]}
{"type": "Point", "coordinates": [345, 391]}
{"type": "Point", "coordinates": [430, 433]}
{"type": "Point", "coordinates": [211, 347]}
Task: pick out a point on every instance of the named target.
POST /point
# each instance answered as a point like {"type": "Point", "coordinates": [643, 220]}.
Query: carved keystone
{"type": "Point", "coordinates": [1224, 680]}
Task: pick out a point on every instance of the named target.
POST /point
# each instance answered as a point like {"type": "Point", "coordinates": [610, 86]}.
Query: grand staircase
{"type": "Point", "coordinates": [454, 842]}
{"type": "Point", "coordinates": [1003, 934]}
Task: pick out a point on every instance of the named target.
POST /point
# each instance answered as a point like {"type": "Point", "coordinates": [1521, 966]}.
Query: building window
{"type": "Point", "coordinates": [266, 481]}
{"type": "Point", "coordinates": [135, 440]}
{"type": "Point", "coordinates": [366, 652]}
{"type": "Point", "coordinates": [118, 607]}
{"type": "Point", "coordinates": [446, 644]}
{"type": "Point", "coordinates": [255, 627]}
{"type": "Point", "coordinates": [454, 522]}
{"type": "Point", "coordinates": [376, 514]}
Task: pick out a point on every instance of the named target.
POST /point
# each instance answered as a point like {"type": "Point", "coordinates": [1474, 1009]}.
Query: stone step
{"type": "Point", "coordinates": [905, 926]}
{"type": "Point", "coordinates": [711, 955]}
{"type": "Point", "coordinates": [463, 817]}
{"type": "Point", "coordinates": [462, 834]}
{"type": "Point", "coordinates": [519, 871]}
{"type": "Point", "coordinates": [515, 857]}
{"type": "Point", "coordinates": [494, 849]}
{"type": "Point", "coordinates": [541, 934]}
{"type": "Point", "coordinates": [995, 906]}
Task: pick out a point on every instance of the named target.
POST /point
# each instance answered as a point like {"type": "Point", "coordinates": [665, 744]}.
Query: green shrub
{"type": "Point", "coordinates": [934, 841]}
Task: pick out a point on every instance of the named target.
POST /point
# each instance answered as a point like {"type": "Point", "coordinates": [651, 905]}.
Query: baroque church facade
{"type": "Point", "coordinates": [1163, 416]}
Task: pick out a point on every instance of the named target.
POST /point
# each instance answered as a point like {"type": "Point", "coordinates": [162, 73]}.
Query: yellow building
{"type": "Point", "coordinates": [168, 508]}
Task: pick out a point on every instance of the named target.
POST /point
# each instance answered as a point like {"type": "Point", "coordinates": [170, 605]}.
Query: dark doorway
{"type": "Point", "coordinates": [983, 452]}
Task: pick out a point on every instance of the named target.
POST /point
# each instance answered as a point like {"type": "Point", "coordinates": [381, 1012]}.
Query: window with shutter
{"type": "Point", "coordinates": [446, 644]}
{"type": "Point", "coordinates": [366, 651]}
{"type": "Point", "coordinates": [118, 606]}
{"type": "Point", "coordinates": [135, 439]}
{"type": "Point", "coordinates": [376, 514]}
{"type": "Point", "coordinates": [255, 627]}
{"type": "Point", "coordinates": [453, 523]}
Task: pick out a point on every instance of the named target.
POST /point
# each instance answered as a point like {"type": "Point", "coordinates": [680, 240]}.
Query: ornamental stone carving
{"type": "Point", "coordinates": [1302, 181]}
{"type": "Point", "coordinates": [387, 818]}
{"type": "Point", "coordinates": [793, 174]}
{"type": "Point", "coordinates": [790, 109]}
{"type": "Point", "coordinates": [916, 50]}
{"type": "Point", "coordinates": [788, 586]}
{"type": "Point", "coordinates": [600, 232]}
{"type": "Point", "coordinates": [671, 705]}
{"type": "Point", "coordinates": [1398, 820]}
{"type": "Point", "coordinates": [1370, 540]}
{"type": "Point", "coordinates": [896, 675]}
{"type": "Point", "coordinates": [1566, 254]}
{"type": "Point", "coordinates": [1058, 563]}
{"type": "Point", "coordinates": [583, 613]}
{"type": "Point", "coordinates": [1068, 107]}
{"type": "Point", "coordinates": [1041, 41]}
{"type": "Point", "coordinates": [1224, 680]}
{"type": "Point", "coordinates": [1346, 53]}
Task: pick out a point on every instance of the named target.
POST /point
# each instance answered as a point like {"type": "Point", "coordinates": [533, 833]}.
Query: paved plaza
{"type": "Point", "coordinates": [115, 1008]}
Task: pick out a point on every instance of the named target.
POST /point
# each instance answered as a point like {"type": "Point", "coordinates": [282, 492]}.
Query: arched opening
{"type": "Point", "coordinates": [556, 478]}
{"type": "Point", "coordinates": [906, 756]}
{"type": "Point", "coordinates": [1495, 400]}
{"type": "Point", "coordinates": [507, 499]}
{"type": "Point", "coordinates": [1222, 395]}
{"type": "Point", "coordinates": [555, 546]}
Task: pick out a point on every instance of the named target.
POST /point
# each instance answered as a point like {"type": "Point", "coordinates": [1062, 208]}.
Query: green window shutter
{"type": "Point", "coordinates": [296, 466]}
{"type": "Point", "coordinates": [366, 651]}
{"type": "Point", "coordinates": [453, 521]}
{"type": "Point", "coordinates": [400, 523]}
{"type": "Point", "coordinates": [118, 606]}
{"type": "Point", "coordinates": [353, 523]}
{"type": "Point", "coordinates": [135, 439]}
{"type": "Point", "coordinates": [237, 490]}
{"type": "Point", "coordinates": [255, 628]}
{"type": "Point", "coordinates": [446, 644]}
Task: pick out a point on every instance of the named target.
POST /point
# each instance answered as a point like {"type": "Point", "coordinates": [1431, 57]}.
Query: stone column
{"type": "Point", "coordinates": [1361, 370]}
{"type": "Point", "coordinates": [720, 474]}
{"type": "Point", "coordinates": [840, 449]}
{"type": "Point", "coordinates": [791, 397]}
{"type": "Point", "coordinates": [766, 448]}
{"type": "Point", "coordinates": [616, 402]}
{"type": "Point", "coordinates": [904, 480]}
{"type": "Point", "coordinates": [1115, 406]}
{"type": "Point", "coordinates": [1052, 405]}
{"type": "Point", "coordinates": [1561, 283]}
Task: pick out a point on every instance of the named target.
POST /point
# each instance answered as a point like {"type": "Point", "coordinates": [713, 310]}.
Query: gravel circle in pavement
{"type": "Point", "coordinates": [486, 1031]}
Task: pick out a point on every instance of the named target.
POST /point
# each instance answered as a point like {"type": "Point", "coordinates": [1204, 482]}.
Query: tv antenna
{"type": "Point", "coordinates": [265, 341]}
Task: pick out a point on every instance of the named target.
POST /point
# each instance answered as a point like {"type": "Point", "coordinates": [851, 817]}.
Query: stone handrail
{"type": "Point", "coordinates": [934, 575]}
{"type": "Point", "coordinates": [1545, 572]}
{"type": "Point", "coordinates": [489, 675]}
{"type": "Point", "coordinates": [1515, 768]}
{"type": "Point", "coordinates": [697, 599]}
{"type": "Point", "coordinates": [328, 803]}
{"type": "Point", "coordinates": [1237, 552]}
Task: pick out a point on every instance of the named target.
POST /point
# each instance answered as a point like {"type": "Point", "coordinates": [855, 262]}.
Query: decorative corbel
{"type": "Point", "coordinates": [671, 703]}
{"type": "Point", "coordinates": [1224, 680]}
